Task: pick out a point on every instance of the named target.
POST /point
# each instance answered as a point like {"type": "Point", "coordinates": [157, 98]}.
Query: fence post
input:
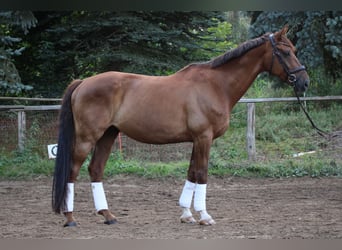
{"type": "Point", "coordinates": [21, 129]}
{"type": "Point", "coordinates": [251, 132]}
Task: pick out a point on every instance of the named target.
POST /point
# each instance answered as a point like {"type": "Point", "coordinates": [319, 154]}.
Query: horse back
{"type": "Point", "coordinates": [151, 109]}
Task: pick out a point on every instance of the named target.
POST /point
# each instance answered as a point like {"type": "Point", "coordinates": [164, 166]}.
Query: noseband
{"type": "Point", "coordinates": [291, 77]}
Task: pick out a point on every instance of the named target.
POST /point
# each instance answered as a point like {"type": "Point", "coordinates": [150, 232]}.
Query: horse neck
{"type": "Point", "coordinates": [237, 75]}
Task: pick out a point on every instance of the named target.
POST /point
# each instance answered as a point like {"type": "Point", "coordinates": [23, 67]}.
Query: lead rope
{"type": "Point", "coordinates": [318, 130]}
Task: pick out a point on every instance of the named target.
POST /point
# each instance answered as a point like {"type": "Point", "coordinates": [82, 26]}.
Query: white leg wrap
{"type": "Point", "coordinates": [186, 213]}
{"type": "Point", "coordinates": [187, 193]}
{"type": "Point", "coordinates": [200, 196]}
{"type": "Point", "coordinates": [205, 215]}
{"type": "Point", "coordinates": [69, 201]}
{"type": "Point", "coordinates": [99, 196]}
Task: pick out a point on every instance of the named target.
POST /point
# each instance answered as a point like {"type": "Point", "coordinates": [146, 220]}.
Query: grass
{"type": "Point", "coordinates": [27, 165]}
{"type": "Point", "coordinates": [23, 165]}
{"type": "Point", "coordinates": [312, 166]}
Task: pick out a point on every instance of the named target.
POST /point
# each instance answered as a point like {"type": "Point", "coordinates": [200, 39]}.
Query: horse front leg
{"type": "Point", "coordinates": [185, 199]}
{"type": "Point", "coordinates": [196, 184]}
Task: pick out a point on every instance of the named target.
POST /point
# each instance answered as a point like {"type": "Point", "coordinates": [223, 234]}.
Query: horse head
{"type": "Point", "coordinates": [284, 63]}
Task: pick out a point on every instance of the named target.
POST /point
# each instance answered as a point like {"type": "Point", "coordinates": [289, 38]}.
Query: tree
{"type": "Point", "coordinates": [77, 44]}
{"type": "Point", "coordinates": [10, 81]}
{"type": "Point", "coordinates": [316, 34]}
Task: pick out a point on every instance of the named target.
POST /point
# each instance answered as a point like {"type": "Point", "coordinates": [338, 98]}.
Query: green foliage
{"type": "Point", "coordinates": [118, 165]}
{"type": "Point", "coordinates": [10, 81]}
{"type": "Point", "coordinates": [78, 44]}
{"type": "Point", "coordinates": [333, 36]}
{"type": "Point", "coordinates": [316, 34]}
{"type": "Point", "coordinates": [216, 42]}
{"type": "Point", "coordinates": [62, 46]}
{"type": "Point", "coordinates": [311, 167]}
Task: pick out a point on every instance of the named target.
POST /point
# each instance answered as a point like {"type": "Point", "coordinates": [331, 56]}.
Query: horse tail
{"type": "Point", "coordinates": [66, 137]}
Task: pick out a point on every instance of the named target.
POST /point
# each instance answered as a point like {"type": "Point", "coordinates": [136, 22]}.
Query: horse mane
{"type": "Point", "coordinates": [237, 52]}
{"type": "Point", "coordinates": [233, 53]}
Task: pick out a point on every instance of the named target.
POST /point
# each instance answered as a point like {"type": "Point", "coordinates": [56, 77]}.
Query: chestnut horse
{"type": "Point", "coordinates": [192, 105]}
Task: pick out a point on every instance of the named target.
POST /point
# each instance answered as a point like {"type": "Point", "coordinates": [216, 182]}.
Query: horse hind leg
{"type": "Point", "coordinates": [96, 167]}
{"type": "Point", "coordinates": [80, 153]}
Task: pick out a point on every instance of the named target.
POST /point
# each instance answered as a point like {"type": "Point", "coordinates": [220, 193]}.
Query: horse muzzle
{"type": "Point", "coordinates": [300, 84]}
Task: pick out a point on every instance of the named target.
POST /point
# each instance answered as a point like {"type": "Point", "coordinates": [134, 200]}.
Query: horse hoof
{"type": "Point", "coordinates": [207, 222]}
{"type": "Point", "coordinates": [111, 222]}
{"type": "Point", "coordinates": [188, 220]}
{"type": "Point", "coordinates": [70, 224]}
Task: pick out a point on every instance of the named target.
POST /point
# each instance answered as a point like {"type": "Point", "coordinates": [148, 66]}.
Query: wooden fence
{"type": "Point", "coordinates": [250, 132]}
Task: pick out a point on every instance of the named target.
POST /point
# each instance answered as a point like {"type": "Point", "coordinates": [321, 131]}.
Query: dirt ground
{"type": "Point", "coordinates": [243, 208]}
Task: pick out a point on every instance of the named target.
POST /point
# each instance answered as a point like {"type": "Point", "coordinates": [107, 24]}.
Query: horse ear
{"type": "Point", "coordinates": [284, 30]}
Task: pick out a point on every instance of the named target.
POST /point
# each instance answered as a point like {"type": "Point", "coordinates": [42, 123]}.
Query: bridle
{"type": "Point", "coordinates": [291, 77]}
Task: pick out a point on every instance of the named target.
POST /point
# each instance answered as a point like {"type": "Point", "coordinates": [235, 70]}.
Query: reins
{"type": "Point", "coordinates": [318, 130]}
{"type": "Point", "coordinates": [292, 79]}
